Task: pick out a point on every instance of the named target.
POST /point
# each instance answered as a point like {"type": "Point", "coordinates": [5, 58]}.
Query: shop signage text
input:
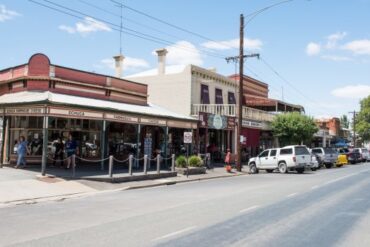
{"type": "Point", "coordinates": [25, 110]}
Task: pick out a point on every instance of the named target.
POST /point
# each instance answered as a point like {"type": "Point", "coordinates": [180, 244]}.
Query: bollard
{"type": "Point", "coordinates": [73, 161]}
{"type": "Point", "coordinates": [145, 164]}
{"type": "Point", "coordinates": [173, 163]}
{"type": "Point", "coordinates": [111, 166]}
{"type": "Point", "coordinates": [158, 163]}
{"type": "Point", "coordinates": [130, 159]}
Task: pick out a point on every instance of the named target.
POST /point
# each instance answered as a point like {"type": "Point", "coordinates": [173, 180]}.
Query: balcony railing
{"type": "Point", "coordinates": [230, 110]}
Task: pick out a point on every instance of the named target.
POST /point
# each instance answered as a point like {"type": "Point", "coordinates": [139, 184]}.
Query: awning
{"type": "Point", "coordinates": [55, 98]}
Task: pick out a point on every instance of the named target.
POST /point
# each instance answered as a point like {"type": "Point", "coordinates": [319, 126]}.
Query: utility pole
{"type": "Point", "coordinates": [354, 128]}
{"type": "Point", "coordinates": [240, 58]}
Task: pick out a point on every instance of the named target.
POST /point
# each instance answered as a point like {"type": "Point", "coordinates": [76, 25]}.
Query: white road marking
{"type": "Point", "coordinates": [249, 209]}
{"type": "Point", "coordinates": [315, 187]}
{"type": "Point", "coordinates": [175, 233]}
{"type": "Point", "coordinates": [291, 195]}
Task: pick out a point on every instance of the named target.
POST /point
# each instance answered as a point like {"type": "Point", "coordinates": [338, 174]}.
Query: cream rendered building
{"type": "Point", "coordinates": [201, 93]}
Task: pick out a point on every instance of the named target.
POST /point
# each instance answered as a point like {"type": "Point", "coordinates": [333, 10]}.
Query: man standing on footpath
{"type": "Point", "coordinates": [22, 150]}
{"type": "Point", "coordinates": [71, 147]}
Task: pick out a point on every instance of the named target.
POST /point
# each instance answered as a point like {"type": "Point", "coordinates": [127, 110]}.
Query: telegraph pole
{"type": "Point", "coordinates": [354, 128]}
{"type": "Point", "coordinates": [240, 58]}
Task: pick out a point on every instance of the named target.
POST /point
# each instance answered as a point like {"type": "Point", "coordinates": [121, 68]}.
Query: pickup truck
{"type": "Point", "coordinates": [284, 159]}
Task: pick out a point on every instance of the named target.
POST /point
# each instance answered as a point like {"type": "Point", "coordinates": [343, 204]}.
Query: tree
{"type": "Point", "coordinates": [363, 120]}
{"type": "Point", "coordinates": [344, 122]}
{"type": "Point", "coordinates": [293, 128]}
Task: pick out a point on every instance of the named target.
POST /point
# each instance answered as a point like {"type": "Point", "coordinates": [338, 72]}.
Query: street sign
{"type": "Point", "coordinates": [188, 137]}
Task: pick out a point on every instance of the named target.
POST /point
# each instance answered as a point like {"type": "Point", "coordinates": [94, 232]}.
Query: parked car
{"type": "Point", "coordinates": [352, 157]}
{"type": "Point", "coordinates": [266, 160]}
{"type": "Point", "coordinates": [296, 158]}
{"type": "Point", "coordinates": [328, 156]}
{"type": "Point", "coordinates": [315, 162]}
{"type": "Point", "coordinates": [365, 156]}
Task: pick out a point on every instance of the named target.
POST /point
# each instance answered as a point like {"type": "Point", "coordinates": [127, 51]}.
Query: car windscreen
{"type": "Point", "coordinates": [317, 151]}
{"type": "Point", "coordinates": [301, 151]}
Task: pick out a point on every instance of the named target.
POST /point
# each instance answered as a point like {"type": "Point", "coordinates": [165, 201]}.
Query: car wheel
{"type": "Point", "coordinates": [283, 167]}
{"type": "Point", "coordinates": [313, 169]}
{"type": "Point", "coordinates": [328, 166]}
{"type": "Point", "coordinates": [269, 171]}
{"type": "Point", "coordinates": [253, 168]}
{"type": "Point", "coordinates": [300, 170]}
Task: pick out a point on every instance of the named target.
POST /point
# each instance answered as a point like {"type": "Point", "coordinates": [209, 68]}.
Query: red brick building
{"type": "Point", "coordinates": [106, 115]}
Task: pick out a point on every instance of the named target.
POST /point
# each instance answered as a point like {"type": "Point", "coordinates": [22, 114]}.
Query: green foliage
{"type": "Point", "coordinates": [363, 120]}
{"type": "Point", "coordinates": [181, 161]}
{"type": "Point", "coordinates": [344, 122]}
{"type": "Point", "coordinates": [293, 128]}
{"type": "Point", "coordinates": [195, 161]}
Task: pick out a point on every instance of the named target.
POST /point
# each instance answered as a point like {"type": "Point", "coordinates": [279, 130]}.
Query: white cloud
{"type": "Point", "coordinates": [67, 29]}
{"type": "Point", "coordinates": [250, 44]}
{"type": "Point", "coordinates": [313, 49]}
{"type": "Point", "coordinates": [352, 91]}
{"type": "Point", "coordinates": [88, 25]}
{"type": "Point", "coordinates": [334, 38]}
{"type": "Point", "coordinates": [358, 47]}
{"type": "Point", "coordinates": [336, 58]}
{"type": "Point", "coordinates": [129, 63]}
{"type": "Point", "coordinates": [182, 53]}
{"type": "Point", "coordinates": [6, 14]}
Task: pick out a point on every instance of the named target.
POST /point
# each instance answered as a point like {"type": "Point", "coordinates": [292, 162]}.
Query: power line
{"type": "Point", "coordinates": [129, 20]}
{"type": "Point", "coordinates": [128, 30]}
{"type": "Point", "coordinates": [164, 22]}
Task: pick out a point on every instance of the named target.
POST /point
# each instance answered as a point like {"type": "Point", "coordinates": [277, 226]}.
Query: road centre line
{"type": "Point", "coordinates": [315, 187]}
{"type": "Point", "coordinates": [175, 233]}
{"type": "Point", "coordinates": [249, 209]}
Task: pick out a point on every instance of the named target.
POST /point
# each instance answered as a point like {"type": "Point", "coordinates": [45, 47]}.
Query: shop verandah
{"type": "Point", "coordinates": [98, 132]}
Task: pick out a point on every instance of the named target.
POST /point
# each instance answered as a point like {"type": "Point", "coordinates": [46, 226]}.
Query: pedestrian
{"type": "Point", "coordinates": [22, 150]}
{"type": "Point", "coordinates": [71, 147]}
{"type": "Point", "coordinates": [228, 160]}
{"type": "Point", "coordinates": [59, 151]}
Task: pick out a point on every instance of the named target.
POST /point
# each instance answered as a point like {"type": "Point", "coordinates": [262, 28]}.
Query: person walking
{"type": "Point", "coordinates": [228, 160]}
{"type": "Point", "coordinates": [71, 147]}
{"type": "Point", "coordinates": [58, 155]}
{"type": "Point", "coordinates": [22, 150]}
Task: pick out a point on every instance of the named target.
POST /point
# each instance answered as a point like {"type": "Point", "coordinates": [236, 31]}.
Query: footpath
{"type": "Point", "coordinates": [22, 186]}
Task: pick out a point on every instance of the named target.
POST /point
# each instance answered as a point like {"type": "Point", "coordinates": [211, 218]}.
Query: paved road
{"type": "Point", "coordinates": [324, 208]}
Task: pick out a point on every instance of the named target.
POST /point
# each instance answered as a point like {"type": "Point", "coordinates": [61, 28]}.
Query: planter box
{"type": "Point", "coordinates": [191, 170]}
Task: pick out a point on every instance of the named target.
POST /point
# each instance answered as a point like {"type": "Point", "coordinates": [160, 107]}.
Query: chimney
{"type": "Point", "coordinates": [118, 65]}
{"type": "Point", "coordinates": [161, 60]}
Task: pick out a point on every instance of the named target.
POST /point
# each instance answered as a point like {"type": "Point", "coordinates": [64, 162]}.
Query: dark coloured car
{"type": "Point", "coordinates": [352, 156]}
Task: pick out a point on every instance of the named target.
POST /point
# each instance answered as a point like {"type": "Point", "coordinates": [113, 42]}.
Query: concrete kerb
{"type": "Point", "coordinates": [84, 194]}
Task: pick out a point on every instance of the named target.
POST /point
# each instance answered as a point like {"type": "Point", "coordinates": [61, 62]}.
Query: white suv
{"type": "Point", "coordinates": [284, 159]}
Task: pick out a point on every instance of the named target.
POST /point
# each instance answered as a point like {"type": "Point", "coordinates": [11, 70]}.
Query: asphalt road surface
{"type": "Point", "coordinates": [330, 207]}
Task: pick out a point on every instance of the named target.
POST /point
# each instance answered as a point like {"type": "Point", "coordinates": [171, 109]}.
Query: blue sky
{"type": "Point", "coordinates": [316, 52]}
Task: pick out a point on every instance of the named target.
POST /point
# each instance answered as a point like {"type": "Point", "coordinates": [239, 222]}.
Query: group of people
{"type": "Point", "coordinates": [69, 148]}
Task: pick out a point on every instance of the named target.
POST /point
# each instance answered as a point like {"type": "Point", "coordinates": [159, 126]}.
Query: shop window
{"type": "Point", "coordinates": [219, 99]}
{"type": "Point", "coordinates": [62, 123]}
{"type": "Point", "coordinates": [85, 124]}
{"type": "Point", "coordinates": [204, 94]}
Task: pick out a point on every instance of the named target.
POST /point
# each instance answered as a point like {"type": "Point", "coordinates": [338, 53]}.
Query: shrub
{"type": "Point", "coordinates": [181, 161]}
{"type": "Point", "coordinates": [195, 161]}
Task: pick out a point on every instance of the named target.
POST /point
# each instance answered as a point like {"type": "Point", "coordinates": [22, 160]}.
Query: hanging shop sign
{"type": "Point", "coordinates": [75, 113]}
{"type": "Point", "coordinates": [214, 121]}
{"type": "Point", "coordinates": [25, 110]}
{"type": "Point", "coordinates": [121, 118]}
